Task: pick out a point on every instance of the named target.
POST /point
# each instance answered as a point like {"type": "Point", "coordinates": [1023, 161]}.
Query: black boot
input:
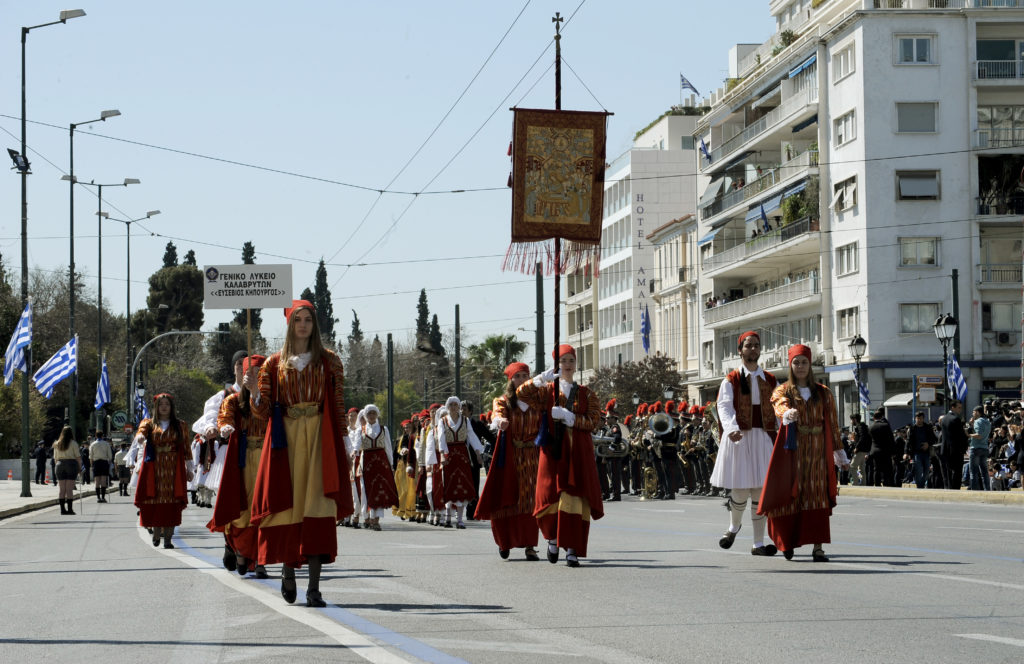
{"type": "Point", "coordinates": [288, 583]}
{"type": "Point", "coordinates": [229, 559]}
{"type": "Point", "coordinates": [63, 506]}
{"type": "Point", "coordinates": [70, 500]}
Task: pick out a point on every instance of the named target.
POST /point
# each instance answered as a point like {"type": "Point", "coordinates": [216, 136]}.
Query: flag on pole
{"type": "Point", "coordinates": [765, 226]}
{"type": "Point", "coordinates": [704, 150]}
{"type": "Point", "coordinates": [645, 329]}
{"type": "Point", "coordinates": [141, 409]}
{"type": "Point", "coordinates": [862, 389]}
{"type": "Point", "coordinates": [956, 378]}
{"type": "Point", "coordinates": [15, 357]}
{"type": "Point", "coordinates": [686, 85]}
{"type": "Point", "coordinates": [102, 387]}
{"type": "Point", "coordinates": [63, 364]}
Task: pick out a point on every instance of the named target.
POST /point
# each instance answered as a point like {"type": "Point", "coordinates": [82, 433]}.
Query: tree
{"type": "Point", "coordinates": [377, 364]}
{"type": "Point", "coordinates": [486, 361]}
{"type": "Point", "coordinates": [435, 338]}
{"type": "Point", "coordinates": [323, 305]}
{"type": "Point", "coordinates": [190, 258]}
{"type": "Point", "coordinates": [255, 315]}
{"type": "Point", "coordinates": [170, 255]}
{"type": "Point", "coordinates": [422, 321]}
{"type": "Point", "coordinates": [357, 386]}
{"type": "Point", "coordinates": [647, 379]}
{"type": "Point", "coordinates": [306, 295]}
{"type": "Point", "coordinates": [176, 298]}
{"type": "Point", "coordinates": [406, 401]}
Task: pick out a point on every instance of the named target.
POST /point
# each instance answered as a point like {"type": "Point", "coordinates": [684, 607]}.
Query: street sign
{"type": "Point", "coordinates": [926, 395]}
{"type": "Point", "coordinates": [128, 428]}
{"type": "Point", "coordinates": [247, 286]}
{"type": "Point", "coordinates": [119, 419]}
{"type": "Point", "coordinates": [929, 380]}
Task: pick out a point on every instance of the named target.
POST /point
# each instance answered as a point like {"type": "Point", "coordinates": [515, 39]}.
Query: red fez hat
{"type": "Point", "coordinates": [433, 406]}
{"type": "Point", "coordinates": [564, 349]}
{"type": "Point", "coordinates": [610, 406]}
{"type": "Point", "coordinates": [799, 349]}
{"type": "Point", "coordinates": [683, 406]}
{"type": "Point", "coordinates": [406, 422]}
{"type": "Point", "coordinates": [516, 367]}
{"type": "Point", "coordinates": [700, 409]}
{"type": "Point", "coordinates": [628, 421]}
{"type": "Point", "coordinates": [641, 410]}
{"type": "Point", "coordinates": [162, 395]}
{"type": "Point", "coordinates": [296, 305]}
{"type": "Point", "coordinates": [424, 414]}
{"type": "Point", "coordinates": [353, 409]}
{"type": "Point", "coordinates": [670, 406]}
{"type": "Point", "coordinates": [655, 407]}
{"type": "Point", "coordinates": [253, 361]}
{"type": "Point", "coordinates": [749, 333]}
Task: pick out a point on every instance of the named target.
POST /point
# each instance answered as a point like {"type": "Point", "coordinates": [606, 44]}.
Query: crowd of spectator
{"type": "Point", "coordinates": [983, 451]}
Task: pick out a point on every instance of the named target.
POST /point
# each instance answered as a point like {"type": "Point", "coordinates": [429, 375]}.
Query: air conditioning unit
{"type": "Point", "coordinates": [1004, 339]}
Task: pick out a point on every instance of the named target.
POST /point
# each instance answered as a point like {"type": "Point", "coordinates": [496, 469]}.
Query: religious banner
{"type": "Point", "coordinates": [558, 161]}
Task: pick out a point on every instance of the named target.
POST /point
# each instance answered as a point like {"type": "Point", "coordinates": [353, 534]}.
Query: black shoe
{"type": "Point", "coordinates": [261, 572]}
{"type": "Point", "coordinates": [552, 555]}
{"type": "Point", "coordinates": [242, 566]}
{"type": "Point", "coordinates": [788, 554]}
{"type": "Point", "coordinates": [314, 599]}
{"type": "Point", "coordinates": [288, 590]}
{"type": "Point", "coordinates": [229, 559]}
{"type": "Point", "coordinates": [818, 556]}
{"type": "Point", "coordinates": [614, 499]}
{"type": "Point", "coordinates": [766, 550]}
{"type": "Point", "coordinates": [460, 526]}
{"type": "Point", "coordinates": [727, 539]}
{"type": "Point", "coordinates": [167, 544]}
{"type": "Point", "coordinates": [531, 553]}
{"type": "Point", "coordinates": [571, 560]}
{"type": "Point", "coordinates": [503, 553]}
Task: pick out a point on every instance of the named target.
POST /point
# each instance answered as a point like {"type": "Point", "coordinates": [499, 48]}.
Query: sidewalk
{"type": "Point", "coordinates": [43, 495]}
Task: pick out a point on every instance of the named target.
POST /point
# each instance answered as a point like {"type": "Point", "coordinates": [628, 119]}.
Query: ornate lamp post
{"type": "Point", "coordinates": [945, 329]}
{"type": "Point", "coordinates": [857, 348]}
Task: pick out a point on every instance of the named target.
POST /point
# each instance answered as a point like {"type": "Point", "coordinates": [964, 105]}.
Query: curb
{"type": "Point", "coordinates": [42, 504]}
{"type": "Point", "coordinates": [933, 495]}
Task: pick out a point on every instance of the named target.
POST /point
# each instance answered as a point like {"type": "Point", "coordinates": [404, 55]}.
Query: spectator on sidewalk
{"type": "Point", "coordinates": [920, 440]}
{"type": "Point", "coordinates": [69, 464]}
{"type": "Point", "coordinates": [40, 455]}
{"type": "Point", "coordinates": [981, 428]}
{"type": "Point", "coordinates": [883, 446]}
{"type": "Point", "coordinates": [861, 447]}
{"type": "Point", "coordinates": [953, 444]}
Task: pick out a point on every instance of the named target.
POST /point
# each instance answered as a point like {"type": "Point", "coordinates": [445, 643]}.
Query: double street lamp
{"type": "Point", "coordinates": [945, 330]}
{"type": "Point", "coordinates": [22, 164]}
{"type": "Point", "coordinates": [857, 349]}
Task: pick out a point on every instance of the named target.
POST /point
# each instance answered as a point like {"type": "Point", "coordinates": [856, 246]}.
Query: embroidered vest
{"type": "Point", "coordinates": [745, 417]}
{"type": "Point", "coordinates": [455, 435]}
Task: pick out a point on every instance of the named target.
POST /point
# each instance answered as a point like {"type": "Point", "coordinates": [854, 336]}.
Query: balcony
{"type": "Point", "coordinates": [786, 111]}
{"type": "Point", "coordinates": [805, 291]}
{"type": "Point", "coordinates": [1000, 206]}
{"type": "Point", "coordinates": [793, 236]}
{"type": "Point", "coordinates": [789, 170]}
{"type": "Point", "coordinates": [944, 4]}
{"type": "Point", "coordinates": [998, 70]}
{"type": "Point", "coordinates": [688, 275]}
{"type": "Point", "coordinates": [998, 138]}
{"type": "Point", "coordinates": [1008, 274]}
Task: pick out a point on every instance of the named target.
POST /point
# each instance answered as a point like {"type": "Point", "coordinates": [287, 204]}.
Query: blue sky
{"type": "Point", "coordinates": [247, 121]}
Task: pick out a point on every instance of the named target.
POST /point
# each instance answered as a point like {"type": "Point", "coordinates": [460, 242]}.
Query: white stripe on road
{"type": "Point", "coordinates": [508, 646]}
{"type": "Point", "coordinates": [954, 518]}
{"type": "Point", "coordinates": [995, 639]}
{"type": "Point", "coordinates": [991, 530]}
{"type": "Point", "coordinates": [355, 642]}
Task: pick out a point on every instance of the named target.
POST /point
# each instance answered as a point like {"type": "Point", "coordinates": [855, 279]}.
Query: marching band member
{"type": "Point", "coordinates": [374, 469]}
{"type": "Point", "coordinates": [748, 429]}
{"type": "Point", "coordinates": [162, 471]}
{"type": "Point", "coordinates": [300, 491]}
{"type": "Point", "coordinates": [455, 437]}
{"type": "Point", "coordinates": [568, 490]}
{"type": "Point", "coordinates": [510, 490]}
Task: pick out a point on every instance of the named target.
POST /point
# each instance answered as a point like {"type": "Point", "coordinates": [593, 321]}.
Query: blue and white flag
{"type": "Point", "coordinates": [15, 357]}
{"type": "Point", "coordinates": [765, 226]}
{"type": "Point", "coordinates": [862, 389]}
{"type": "Point", "coordinates": [956, 378]}
{"type": "Point", "coordinates": [704, 150]}
{"type": "Point", "coordinates": [141, 409]}
{"type": "Point", "coordinates": [645, 329]}
{"type": "Point", "coordinates": [103, 387]}
{"type": "Point", "coordinates": [63, 364]}
{"type": "Point", "coordinates": [686, 85]}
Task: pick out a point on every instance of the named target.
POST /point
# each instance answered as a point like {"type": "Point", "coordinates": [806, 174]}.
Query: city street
{"type": "Point", "coordinates": [908, 581]}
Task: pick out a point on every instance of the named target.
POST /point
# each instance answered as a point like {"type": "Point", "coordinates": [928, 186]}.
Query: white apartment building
{"type": "Point", "coordinates": [883, 143]}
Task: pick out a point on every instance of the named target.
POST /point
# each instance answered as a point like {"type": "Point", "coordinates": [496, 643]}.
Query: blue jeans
{"type": "Point", "coordinates": [922, 466]}
{"type": "Point", "coordinates": [980, 479]}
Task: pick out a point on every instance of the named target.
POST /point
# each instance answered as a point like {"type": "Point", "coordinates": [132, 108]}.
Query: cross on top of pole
{"type": "Point", "coordinates": [557, 20]}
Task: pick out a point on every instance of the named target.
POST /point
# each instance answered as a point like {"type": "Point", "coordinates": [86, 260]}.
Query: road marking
{"type": "Point", "coordinates": [508, 646]}
{"type": "Point", "coordinates": [950, 518]}
{"type": "Point", "coordinates": [933, 575]}
{"type": "Point", "coordinates": [990, 530]}
{"type": "Point", "coordinates": [996, 639]}
{"type": "Point", "coordinates": [327, 621]}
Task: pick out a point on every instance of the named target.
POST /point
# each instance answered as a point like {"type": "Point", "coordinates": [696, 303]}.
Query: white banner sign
{"type": "Point", "coordinates": [247, 286]}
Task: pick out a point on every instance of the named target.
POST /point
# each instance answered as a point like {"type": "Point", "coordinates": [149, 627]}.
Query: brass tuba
{"type": "Point", "coordinates": [660, 423]}
{"type": "Point", "coordinates": [606, 447]}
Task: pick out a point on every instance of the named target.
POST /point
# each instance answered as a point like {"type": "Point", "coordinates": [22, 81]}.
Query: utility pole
{"type": "Point", "coordinates": [458, 356]}
{"type": "Point", "coordinates": [955, 277]}
{"type": "Point", "coordinates": [391, 384]}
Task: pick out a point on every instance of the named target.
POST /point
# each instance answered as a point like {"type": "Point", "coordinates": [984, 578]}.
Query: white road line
{"type": "Point", "coordinates": [945, 577]}
{"type": "Point", "coordinates": [507, 646]}
{"type": "Point", "coordinates": [959, 518]}
{"type": "Point", "coordinates": [991, 530]}
{"type": "Point", "coordinates": [354, 641]}
{"type": "Point", "coordinates": [995, 639]}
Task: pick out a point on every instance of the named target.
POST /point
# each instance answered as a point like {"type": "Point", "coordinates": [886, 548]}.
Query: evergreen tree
{"type": "Point", "coordinates": [324, 307]}
{"type": "Point", "coordinates": [175, 298]}
{"type": "Point", "coordinates": [190, 258]}
{"type": "Point", "coordinates": [306, 295]}
{"type": "Point", "coordinates": [435, 337]}
{"type": "Point", "coordinates": [357, 389]}
{"type": "Point", "coordinates": [422, 321]}
{"type": "Point", "coordinates": [256, 315]}
{"type": "Point", "coordinates": [377, 365]}
{"type": "Point", "coordinates": [170, 255]}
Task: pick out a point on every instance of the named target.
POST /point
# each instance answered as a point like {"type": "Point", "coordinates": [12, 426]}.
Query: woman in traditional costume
{"type": "Point", "coordinates": [404, 466]}
{"type": "Point", "coordinates": [800, 486]}
{"type": "Point", "coordinates": [455, 437]}
{"type": "Point", "coordinates": [375, 454]}
{"type": "Point", "coordinates": [301, 489]}
{"type": "Point", "coordinates": [568, 489]}
{"type": "Point", "coordinates": [161, 495]}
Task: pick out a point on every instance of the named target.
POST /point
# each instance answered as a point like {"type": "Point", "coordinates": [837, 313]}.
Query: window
{"type": "Point", "coordinates": [844, 194]}
{"type": "Point", "coordinates": [848, 323]}
{"type": "Point", "coordinates": [845, 128]}
{"type": "Point", "coordinates": [846, 259]}
{"type": "Point", "coordinates": [916, 117]}
{"type": "Point", "coordinates": [913, 49]}
{"type": "Point", "coordinates": [686, 142]}
{"type": "Point", "coordinates": [843, 63]}
{"type": "Point", "coordinates": [917, 185]}
{"type": "Point", "coordinates": [1000, 316]}
{"type": "Point", "coordinates": [918, 318]}
{"type": "Point", "coordinates": [921, 251]}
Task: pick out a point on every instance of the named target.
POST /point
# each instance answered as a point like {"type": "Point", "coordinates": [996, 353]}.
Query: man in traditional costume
{"type": "Point", "coordinates": [748, 433]}
{"type": "Point", "coordinates": [404, 467]}
{"type": "Point", "coordinates": [213, 449]}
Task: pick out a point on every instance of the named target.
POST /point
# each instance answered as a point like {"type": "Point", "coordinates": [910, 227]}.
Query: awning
{"type": "Point", "coordinates": [738, 159]}
{"type": "Point", "coordinates": [708, 238]}
{"type": "Point", "coordinates": [770, 205]}
{"type": "Point", "coordinates": [803, 65]}
{"type": "Point", "coordinates": [767, 97]}
{"type": "Point", "coordinates": [806, 123]}
{"type": "Point", "coordinates": [711, 192]}
{"type": "Point", "coordinates": [795, 189]}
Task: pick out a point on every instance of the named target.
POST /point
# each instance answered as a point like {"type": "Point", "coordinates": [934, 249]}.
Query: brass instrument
{"type": "Point", "coordinates": [650, 482]}
{"type": "Point", "coordinates": [660, 423]}
{"type": "Point", "coordinates": [606, 447]}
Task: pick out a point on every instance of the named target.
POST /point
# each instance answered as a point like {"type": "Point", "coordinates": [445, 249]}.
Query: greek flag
{"type": "Point", "coordinates": [956, 378]}
{"type": "Point", "coordinates": [686, 85]}
{"type": "Point", "coordinates": [103, 387]}
{"type": "Point", "coordinates": [862, 388]}
{"type": "Point", "coordinates": [140, 408]}
{"type": "Point", "coordinates": [704, 150]}
{"type": "Point", "coordinates": [765, 226]}
{"type": "Point", "coordinates": [15, 357]}
{"type": "Point", "coordinates": [63, 363]}
{"type": "Point", "coordinates": [645, 329]}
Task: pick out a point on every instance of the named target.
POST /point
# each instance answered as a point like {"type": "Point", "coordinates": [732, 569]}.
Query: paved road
{"type": "Point", "coordinates": [908, 582]}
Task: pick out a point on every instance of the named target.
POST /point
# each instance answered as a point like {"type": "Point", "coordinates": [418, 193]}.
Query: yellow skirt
{"type": "Point", "coordinates": [305, 462]}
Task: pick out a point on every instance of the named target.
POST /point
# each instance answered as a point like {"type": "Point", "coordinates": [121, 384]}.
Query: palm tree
{"type": "Point", "coordinates": [487, 360]}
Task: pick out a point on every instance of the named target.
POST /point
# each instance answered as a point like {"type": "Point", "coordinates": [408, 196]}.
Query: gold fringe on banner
{"type": "Point", "coordinates": [575, 257]}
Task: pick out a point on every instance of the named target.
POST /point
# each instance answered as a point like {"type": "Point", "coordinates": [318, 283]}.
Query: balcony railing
{"type": "Point", "coordinates": [999, 138]}
{"type": "Point", "coordinates": [687, 274]}
{"type": "Point", "coordinates": [765, 123]}
{"type": "Point", "coordinates": [999, 69]}
{"type": "Point", "coordinates": [791, 292]}
{"type": "Point", "coordinates": [761, 243]}
{"type": "Point", "coordinates": [946, 4]}
{"type": "Point", "coordinates": [1000, 273]}
{"type": "Point", "coordinates": [795, 166]}
{"type": "Point", "coordinates": [987, 206]}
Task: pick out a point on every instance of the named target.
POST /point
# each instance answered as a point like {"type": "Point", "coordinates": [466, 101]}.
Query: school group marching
{"type": "Point", "coordinates": [283, 464]}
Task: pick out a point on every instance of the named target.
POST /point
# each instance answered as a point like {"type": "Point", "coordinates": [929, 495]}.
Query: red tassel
{"type": "Point", "coordinates": [510, 180]}
{"type": "Point", "coordinates": [509, 149]}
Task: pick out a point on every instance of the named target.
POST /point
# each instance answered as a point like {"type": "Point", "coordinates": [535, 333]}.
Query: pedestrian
{"type": "Point", "coordinates": [124, 474]}
{"type": "Point", "coordinates": [920, 439]}
{"type": "Point", "coordinates": [163, 472]}
{"type": "Point", "coordinates": [102, 455]}
{"type": "Point", "coordinates": [861, 448]}
{"type": "Point", "coordinates": [568, 491]}
{"type": "Point", "coordinates": [883, 445]}
{"type": "Point", "coordinates": [510, 490]}
{"type": "Point", "coordinates": [458, 442]}
{"type": "Point", "coordinates": [800, 487]}
{"type": "Point", "coordinates": [748, 425]}
{"type": "Point", "coordinates": [301, 489]}
{"type": "Point", "coordinates": [86, 464]}
{"type": "Point", "coordinates": [981, 427]}
{"type": "Point", "coordinates": [953, 444]}
{"type": "Point", "coordinates": [40, 455]}
{"type": "Point", "coordinates": [68, 459]}
{"type": "Point", "coordinates": [373, 440]}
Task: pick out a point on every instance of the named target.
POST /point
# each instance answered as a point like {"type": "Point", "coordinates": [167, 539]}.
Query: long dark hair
{"type": "Point", "coordinates": [173, 417]}
{"type": "Point", "coordinates": [64, 440]}
{"type": "Point", "coordinates": [510, 394]}
{"type": "Point", "coordinates": [791, 388]}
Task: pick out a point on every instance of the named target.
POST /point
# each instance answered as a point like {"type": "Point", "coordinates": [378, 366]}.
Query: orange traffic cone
{"type": "Point", "coordinates": [47, 480]}
{"type": "Point", "coordinates": [10, 474]}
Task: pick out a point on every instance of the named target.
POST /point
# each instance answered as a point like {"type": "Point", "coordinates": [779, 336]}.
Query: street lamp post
{"type": "Point", "coordinates": [140, 389]}
{"type": "Point", "coordinates": [128, 296]}
{"type": "Point", "coordinates": [64, 16]}
{"type": "Point", "coordinates": [857, 348]}
{"type": "Point", "coordinates": [945, 329]}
